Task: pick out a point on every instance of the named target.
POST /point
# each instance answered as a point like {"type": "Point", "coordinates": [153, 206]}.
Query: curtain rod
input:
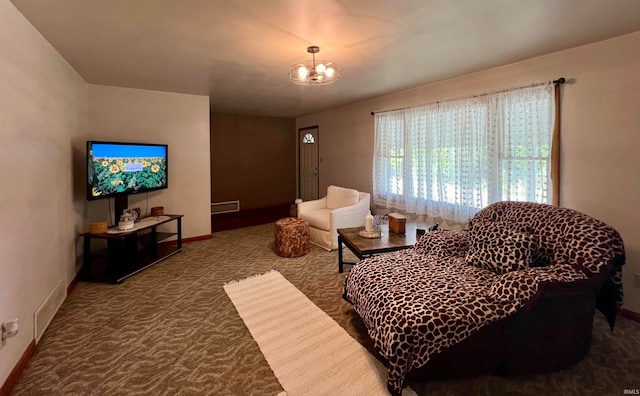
{"type": "Point", "coordinates": [559, 81]}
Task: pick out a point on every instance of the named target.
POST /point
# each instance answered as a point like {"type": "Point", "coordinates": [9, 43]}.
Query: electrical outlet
{"type": "Point", "coordinates": [9, 328]}
{"type": "Point", "coordinates": [636, 280]}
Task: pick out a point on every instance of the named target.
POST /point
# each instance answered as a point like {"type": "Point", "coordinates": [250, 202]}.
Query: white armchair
{"type": "Point", "coordinates": [340, 208]}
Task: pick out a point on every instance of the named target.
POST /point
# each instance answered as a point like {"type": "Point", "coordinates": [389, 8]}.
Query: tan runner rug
{"type": "Point", "coordinates": [309, 353]}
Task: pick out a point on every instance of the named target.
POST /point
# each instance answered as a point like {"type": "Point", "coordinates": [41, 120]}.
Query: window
{"type": "Point", "coordinates": [452, 159]}
{"type": "Point", "coordinates": [308, 139]}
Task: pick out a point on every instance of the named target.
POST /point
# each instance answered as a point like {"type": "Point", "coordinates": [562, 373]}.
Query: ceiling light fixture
{"type": "Point", "coordinates": [314, 72]}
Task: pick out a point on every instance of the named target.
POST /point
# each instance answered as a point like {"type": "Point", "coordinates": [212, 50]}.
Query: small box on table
{"type": "Point", "coordinates": [397, 223]}
{"type": "Point", "coordinates": [98, 227]}
{"type": "Point", "coordinates": [157, 211]}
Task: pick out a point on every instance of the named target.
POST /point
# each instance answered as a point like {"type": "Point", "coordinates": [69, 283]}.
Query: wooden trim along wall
{"type": "Point", "coordinates": [625, 313]}
{"type": "Point", "coordinates": [13, 377]}
{"type": "Point", "coordinates": [195, 239]}
{"type": "Point", "coordinates": [187, 240]}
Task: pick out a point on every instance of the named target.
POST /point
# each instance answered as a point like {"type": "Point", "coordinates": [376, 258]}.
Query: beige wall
{"type": "Point", "coordinates": [253, 160]}
{"type": "Point", "coordinates": [48, 113]}
{"type": "Point", "coordinates": [600, 142]}
{"type": "Point", "coordinates": [43, 112]}
{"type": "Point", "coordinates": [179, 120]}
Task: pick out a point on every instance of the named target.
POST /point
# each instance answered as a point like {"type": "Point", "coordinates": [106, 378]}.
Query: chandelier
{"type": "Point", "coordinates": [314, 72]}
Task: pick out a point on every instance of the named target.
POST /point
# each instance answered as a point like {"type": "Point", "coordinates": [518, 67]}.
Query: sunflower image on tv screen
{"type": "Point", "coordinates": [122, 169]}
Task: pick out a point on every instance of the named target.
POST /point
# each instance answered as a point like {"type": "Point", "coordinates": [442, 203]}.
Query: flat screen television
{"type": "Point", "coordinates": [117, 169]}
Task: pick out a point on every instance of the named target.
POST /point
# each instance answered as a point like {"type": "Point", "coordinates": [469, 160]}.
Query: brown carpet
{"type": "Point", "coordinates": [172, 330]}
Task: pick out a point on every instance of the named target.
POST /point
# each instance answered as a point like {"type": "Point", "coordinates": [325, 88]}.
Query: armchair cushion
{"type": "Point", "coordinates": [319, 218]}
{"type": "Point", "coordinates": [339, 197]}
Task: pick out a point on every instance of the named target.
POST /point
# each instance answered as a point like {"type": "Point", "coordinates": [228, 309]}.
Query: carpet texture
{"type": "Point", "coordinates": [309, 352]}
{"type": "Point", "coordinates": [172, 330]}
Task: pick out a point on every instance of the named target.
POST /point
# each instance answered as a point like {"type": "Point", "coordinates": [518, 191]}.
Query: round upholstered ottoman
{"type": "Point", "coordinates": [292, 237]}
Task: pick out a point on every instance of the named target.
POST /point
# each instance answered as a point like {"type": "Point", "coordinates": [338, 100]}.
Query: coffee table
{"type": "Point", "coordinates": [367, 247]}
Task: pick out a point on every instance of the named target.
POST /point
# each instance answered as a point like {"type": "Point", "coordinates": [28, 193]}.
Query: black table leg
{"type": "Point", "coordinates": [340, 263]}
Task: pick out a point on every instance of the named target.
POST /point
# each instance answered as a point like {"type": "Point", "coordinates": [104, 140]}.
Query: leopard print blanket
{"type": "Point", "coordinates": [418, 302]}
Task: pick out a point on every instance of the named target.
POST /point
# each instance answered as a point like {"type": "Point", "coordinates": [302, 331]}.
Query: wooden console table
{"type": "Point", "coordinates": [129, 252]}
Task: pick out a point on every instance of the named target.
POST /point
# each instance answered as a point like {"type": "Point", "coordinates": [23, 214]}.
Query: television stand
{"type": "Point", "coordinates": [129, 252]}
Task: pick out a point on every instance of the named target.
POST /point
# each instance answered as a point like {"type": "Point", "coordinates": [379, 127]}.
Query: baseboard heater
{"type": "Point", "coordinates": [47, 310]}
{"type": "Point", "coordinates": [225, 207]}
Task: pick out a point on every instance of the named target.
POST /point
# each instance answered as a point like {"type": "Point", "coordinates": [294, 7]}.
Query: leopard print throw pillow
{"type": "Point", "coordinates": [443, 243]}
{"type": "Point", "coordinates": [500, 247]}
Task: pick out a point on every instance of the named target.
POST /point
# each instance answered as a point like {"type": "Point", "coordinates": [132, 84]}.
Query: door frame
{"type": "Point", "coordinates": [298, 140]}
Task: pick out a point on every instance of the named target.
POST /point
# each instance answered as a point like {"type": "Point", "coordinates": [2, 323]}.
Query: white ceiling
{"type": "Point", "coordinates": [239, 51]}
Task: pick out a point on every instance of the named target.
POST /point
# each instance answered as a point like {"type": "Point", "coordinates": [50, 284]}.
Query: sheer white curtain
{"type": "Point", "coordinates": [451, 159]}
